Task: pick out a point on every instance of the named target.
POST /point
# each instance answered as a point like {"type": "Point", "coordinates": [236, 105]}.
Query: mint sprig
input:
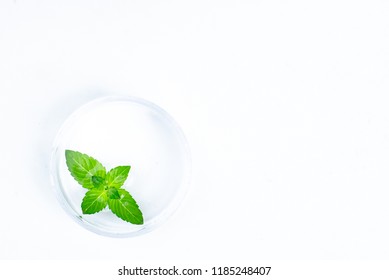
{"type": "Point", "coordinates": [103, 188]}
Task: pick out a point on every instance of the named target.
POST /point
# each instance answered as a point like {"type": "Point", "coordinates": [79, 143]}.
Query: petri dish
{"type": "Point", "coordinates": [124, 131]}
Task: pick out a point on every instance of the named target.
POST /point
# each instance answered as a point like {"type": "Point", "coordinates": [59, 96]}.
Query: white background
{"type": "Point", "coordinates": [284, 104]}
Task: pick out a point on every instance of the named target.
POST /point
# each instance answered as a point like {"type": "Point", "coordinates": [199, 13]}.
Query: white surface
{"type": "Point", "coordinates": [284, 104]}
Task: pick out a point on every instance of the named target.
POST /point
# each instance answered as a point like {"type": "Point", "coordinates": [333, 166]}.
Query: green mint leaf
{"type": "Point", "coordinates": [94, 201]}
{"type": "Point", "coordinates": [117, 176]}
{"type": "Point", "coordinates": [126, 208]}
{"type": "Point", "coordinates": [104, 188]}
{"type": "Point", "coordinates": [113, 193]}
{"type": "Point", "coordinates": [98, 181]}
{"type": "Point", "coordinates": [83, 168]}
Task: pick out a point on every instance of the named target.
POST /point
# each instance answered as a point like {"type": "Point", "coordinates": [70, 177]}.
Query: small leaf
{"type": "Point", "coordinates": [83, 168]}
{"type": "Point", "coordinates": [117, 176]}
{"type": "Point", "coordinates": [113, 193]}
{"type": "Point", "coordinates": [98, 181]}
{"type": "Point", "coordinates": [126, 208]}
{"type": "Point", "coordinates": [94, 201]}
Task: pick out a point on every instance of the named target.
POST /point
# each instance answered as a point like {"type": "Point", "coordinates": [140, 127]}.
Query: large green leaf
{"type": "Point", "coordinates": [117, 176]}
{"type": "Point", "coordinates": [126, 208]}
{"type": "Point", "coordinates": [83, 168]}
{"type": "Point", "coordinates": [94, 201]}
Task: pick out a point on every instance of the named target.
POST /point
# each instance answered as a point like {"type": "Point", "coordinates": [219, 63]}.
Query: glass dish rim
{"type": "Point", "coordinates": [161, 218]}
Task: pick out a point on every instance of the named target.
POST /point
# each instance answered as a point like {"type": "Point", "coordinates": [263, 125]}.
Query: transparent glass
{"type": "Point", "coordinates": [124, 131]}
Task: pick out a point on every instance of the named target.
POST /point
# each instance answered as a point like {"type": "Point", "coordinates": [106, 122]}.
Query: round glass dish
{"type": "Point", "coordinates": [124, 131]}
